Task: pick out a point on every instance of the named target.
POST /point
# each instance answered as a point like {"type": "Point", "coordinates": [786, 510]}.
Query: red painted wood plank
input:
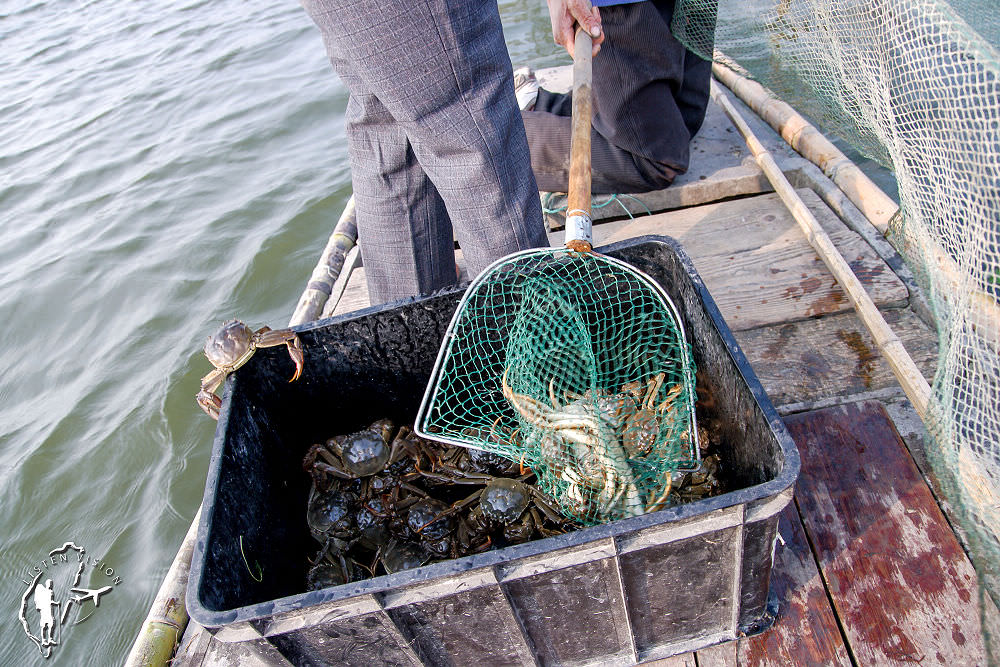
{"type": "Point", "coordinates": [805, 631]}
{"type": "Point", "coordinates": [903, 588]}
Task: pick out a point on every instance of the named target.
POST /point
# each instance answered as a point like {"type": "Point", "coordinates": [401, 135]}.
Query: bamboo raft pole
{"type": "Point", "coordinates": [955, 283]}
{"type": "Point", "coordinates": [168, 618]}
{"type": "Point", "coordinates": [801, 135]}
{"type": "Point", "coordinates": [325, 277]}
{"type": "Point", "coordinates": [914, 385]}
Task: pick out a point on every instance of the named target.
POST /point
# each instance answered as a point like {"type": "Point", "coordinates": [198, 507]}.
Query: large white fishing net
{"type": "Point", "coordinates": [912, 84]}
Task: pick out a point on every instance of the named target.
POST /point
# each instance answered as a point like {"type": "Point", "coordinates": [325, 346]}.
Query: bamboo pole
{"type": "Point", "coordinates": [953, 283]}
{"type": "Point", "coordinates": [913, 383]}
{"type": "Point", "coordinates": [579, 234]}
{"type": "Point", "coordinates": [329, 267]}
{"type": "Point", "coordinates": [350, 263]}
{"type": "Point", "coordinates": [801, 135]}
{"type": "Point", "coordinates": [161, 631]}
{"type": "Point", "coordinates": [578, 197]}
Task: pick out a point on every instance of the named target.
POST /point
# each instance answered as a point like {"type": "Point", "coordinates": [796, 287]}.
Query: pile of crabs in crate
{"type": "Point", "coordinates": [384, 500]}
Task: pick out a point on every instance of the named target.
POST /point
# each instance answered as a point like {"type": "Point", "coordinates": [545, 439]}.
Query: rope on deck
{"type": "Point", "coordinates": [547, 208]}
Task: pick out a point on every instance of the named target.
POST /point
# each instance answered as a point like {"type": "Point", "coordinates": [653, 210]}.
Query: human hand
{"type": "Point", "coordinates": [564, 14]}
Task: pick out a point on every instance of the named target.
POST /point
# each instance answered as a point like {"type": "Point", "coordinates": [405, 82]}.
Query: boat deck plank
{"type": "Point", "coordinates": [834, 356]}
{"type": "Point", "coordinates": [898, 579]}
{"type": "Point", "coordinates": [720, 655]}
{"type": "Point", "coordinates": [805, 631]}
{"type": "Point", "coordinates": [681, 660]}
{"type": "Point", "coordinates": [753, 258]}
{"type": "Point", "coordinates": [198, 648]}
{"type": "Point", "coordinates": [758, 265]}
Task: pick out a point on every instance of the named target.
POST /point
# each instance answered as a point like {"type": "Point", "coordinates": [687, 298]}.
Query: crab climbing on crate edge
{"type": "Point", "coordinates": [232, 346]}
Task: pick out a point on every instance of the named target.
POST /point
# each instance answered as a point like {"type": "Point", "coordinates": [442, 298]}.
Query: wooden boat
{"type": "Point", "coordinates": [869, 569]}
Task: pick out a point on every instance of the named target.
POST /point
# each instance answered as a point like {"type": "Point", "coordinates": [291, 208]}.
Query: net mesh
{"type": "Point", "coordinates": [912, 84]}
{"type": "Point", "coordinates": [577, 366]}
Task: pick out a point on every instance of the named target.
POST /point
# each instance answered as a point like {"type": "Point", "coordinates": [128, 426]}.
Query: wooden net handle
{"type": "Point", "coordinates": [578, 223]}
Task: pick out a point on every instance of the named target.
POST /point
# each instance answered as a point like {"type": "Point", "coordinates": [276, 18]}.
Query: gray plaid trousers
{"type": "Point", "coordinates": [438, 149]}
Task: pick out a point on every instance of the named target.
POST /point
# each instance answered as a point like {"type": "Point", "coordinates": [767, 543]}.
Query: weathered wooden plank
{"type": "Point", "coordinates": [756, 262]}
{"type": "Point", "coordinates": [753, 258]}
{"type": "Point", "coordinates": [254, 653]}
{"type": "Point", "coordinates": [682, 660]}
{"type": "Point", "coordinates": [193, 646]}
{"type": "Point", "coordinates": [809, 360]}
{"type": "Point", "coordinates": [805, 632]}
{"type": "Point", "coordinates": [198, 648]}
{"type": "Point", "coordinates": [901, 585]}
{"type": "Point", "coordinates": [355, 294]}
{"type": "Point", "coordinates": [914, 434]}
{"type": "Point", "coordinates": [917, 388]}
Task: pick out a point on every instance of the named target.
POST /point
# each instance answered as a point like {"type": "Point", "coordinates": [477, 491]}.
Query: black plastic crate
{"type": "Point", "coordinates": [632, 590]}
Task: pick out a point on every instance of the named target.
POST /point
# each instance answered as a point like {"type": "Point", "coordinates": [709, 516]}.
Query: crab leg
{"type": "Point", "coordinates": [552, 394]}
{"type": "Point", "coordinates": [206, 398]}
{"type": "Point", "coordinates": [589, 436]}
{"type": "Point", "coordinates": [533, 411]}
{"type": "Point", "coordinates": [210, 403]}
{"type": "Point", "coordinates": [295, 352]}
{"type": "Point", "coordinates": [654, 388]}
{"type": "Point", "coordinates": [672, 395]}
{"type": "Point", "coordinates": [659, 502]}
{"type": "Point", "coordinates": [614, 459]}
{"type": "Point", "coordinates": [268, 338]}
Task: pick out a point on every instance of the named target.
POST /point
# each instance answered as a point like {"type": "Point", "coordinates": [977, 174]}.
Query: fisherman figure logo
{"type": "Point", "coordinates": [55, 590]}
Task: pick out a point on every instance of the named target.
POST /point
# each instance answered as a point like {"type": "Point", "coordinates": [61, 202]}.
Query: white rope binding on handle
{"type": "Point", "coordinates": [579, 226]}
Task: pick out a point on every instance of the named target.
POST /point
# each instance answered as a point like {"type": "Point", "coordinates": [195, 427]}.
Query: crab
{"type": "Point", "coordinates": [581, 445]}
{"type": "Point", "coordinates": [642, 425]}
{"type": "Point", "coordinates": [230, 347]}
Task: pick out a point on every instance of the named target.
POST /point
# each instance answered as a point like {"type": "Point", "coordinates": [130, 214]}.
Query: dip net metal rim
{"type": "Point", "coordinates": [578, 366]}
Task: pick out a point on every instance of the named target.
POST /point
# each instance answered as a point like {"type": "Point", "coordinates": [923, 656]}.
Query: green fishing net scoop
{"type": "Point", "coordinates": [577, 365]}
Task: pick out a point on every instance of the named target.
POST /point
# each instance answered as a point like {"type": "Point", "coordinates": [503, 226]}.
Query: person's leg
{"type": "Point", "coordinates": [613, 170]}
{"type": "Point", "coordinates": [441, 70]}
{"type": "Point", "coordinates": [692, 98]}
{"type": "Point", "coordinates": [647, 105]}
{"type": "Point", "coordinates": [471, 140]}
{"type": "Point", "coordinates": [404, 232]}
{"type": "Point", "coordinates": [560, 104]}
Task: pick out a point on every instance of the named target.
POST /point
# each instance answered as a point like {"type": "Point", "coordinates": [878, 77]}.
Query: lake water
{"type": "Point", "coordinates": [163, 167]}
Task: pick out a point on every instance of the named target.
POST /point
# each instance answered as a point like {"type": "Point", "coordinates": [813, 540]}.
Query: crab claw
{"type": "Point", "coordinates": [534, 412]}
{"type": "Point", "coordinates": [206, 397]}
{"type": "Point", "coordinates": [295, 352]}
{"type": "Point", "coordinates": [268, 338]}
{"type": "Point", "coordinates": [210, 403]}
